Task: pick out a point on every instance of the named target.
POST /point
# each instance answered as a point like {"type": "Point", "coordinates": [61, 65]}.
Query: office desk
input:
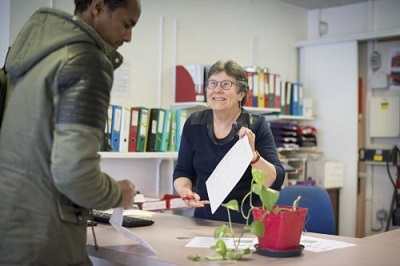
{"type": "Point", "coordinates": [170, 233]}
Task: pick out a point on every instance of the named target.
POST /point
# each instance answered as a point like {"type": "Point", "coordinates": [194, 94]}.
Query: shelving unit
{"type": "Point", "coordinates": [193, 106]}
{"type": "Point", "coordinates": [139, 155]}
{"type": "Point", "coordinates": [151, 172]}
{"type": "Point", "coordinates": [299, 158]}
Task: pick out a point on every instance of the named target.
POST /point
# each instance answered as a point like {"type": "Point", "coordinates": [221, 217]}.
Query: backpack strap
{"type": "Point", "coordinates": [3, 89]}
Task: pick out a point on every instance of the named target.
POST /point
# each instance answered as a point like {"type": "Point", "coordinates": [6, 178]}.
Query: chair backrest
{"type": "Point", "coordinates": [320, 217]}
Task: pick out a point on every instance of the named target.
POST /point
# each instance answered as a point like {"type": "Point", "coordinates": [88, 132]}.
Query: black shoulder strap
{"type": "Point", "coordinates": [3, 89]}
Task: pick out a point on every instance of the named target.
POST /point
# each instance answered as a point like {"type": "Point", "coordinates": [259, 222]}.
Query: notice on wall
{"type": "Point", "coordinates": [333, 174]}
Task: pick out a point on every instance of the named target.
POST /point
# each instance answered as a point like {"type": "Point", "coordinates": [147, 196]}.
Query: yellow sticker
{"type": "Point", "coordinates": [378, 157]}
{"type": "Point", "coordinates": [384, 106]}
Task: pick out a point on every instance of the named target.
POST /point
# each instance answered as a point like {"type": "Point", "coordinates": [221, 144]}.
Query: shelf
{"type": "Point", "coordinates": [203, 105]}
{"type": "Point", "coordinates": [307, 153]}
{"type": "Point", "coordinates": [139, 155]}
{"type": "Point", "coordinates": [300, 150]}
{"type": "Point", "coordinates": [271, 114]}
{"type": "Point", "coordinates": [289, 117]}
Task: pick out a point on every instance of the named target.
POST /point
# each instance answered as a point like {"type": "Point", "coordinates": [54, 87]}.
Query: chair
{"type": "Point", "coordinates": [320, 217]}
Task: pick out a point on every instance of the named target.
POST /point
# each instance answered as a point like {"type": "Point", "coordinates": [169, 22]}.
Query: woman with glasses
{"type": "Point", "coordinates": [208, 135]}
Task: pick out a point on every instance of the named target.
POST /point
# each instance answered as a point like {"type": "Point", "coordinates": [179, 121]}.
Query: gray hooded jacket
{"type": "Point", "coordinates": [61, 74]}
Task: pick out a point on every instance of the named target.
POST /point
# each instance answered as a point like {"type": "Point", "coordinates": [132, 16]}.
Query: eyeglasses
{"type": "Point", "coordinates": [225, 84]}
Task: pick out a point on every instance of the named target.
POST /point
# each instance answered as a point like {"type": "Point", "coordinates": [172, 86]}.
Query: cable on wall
{"type": "Point", "coordinates": [394, 212]}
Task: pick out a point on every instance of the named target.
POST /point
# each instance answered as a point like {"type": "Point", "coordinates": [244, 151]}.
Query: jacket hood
{"type": "Point", "coordinates": [48, 30]}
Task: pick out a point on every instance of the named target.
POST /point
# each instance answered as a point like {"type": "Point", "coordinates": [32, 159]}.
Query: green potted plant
{"type": "Point", "coordinates": [278, 228]}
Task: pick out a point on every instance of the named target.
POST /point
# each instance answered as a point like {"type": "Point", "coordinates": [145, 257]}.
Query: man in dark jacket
{"type": "Point", "coordinates": [61, 72]}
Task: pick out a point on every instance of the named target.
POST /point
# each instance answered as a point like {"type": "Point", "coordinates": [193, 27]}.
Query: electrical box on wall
{"type": "Point", "coordinates": [385, 118]}
{"type": "Point", "coordinates": [379, 81]}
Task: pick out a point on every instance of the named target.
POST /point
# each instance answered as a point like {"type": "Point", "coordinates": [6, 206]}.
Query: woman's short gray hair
{"type": "Point", "coordinates": [234, 70]}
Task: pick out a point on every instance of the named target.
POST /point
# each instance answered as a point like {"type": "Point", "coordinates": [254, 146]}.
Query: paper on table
{"type": "Point", "coordinates": [133, 212]}
{"type": "Point", "coordinates": [228, 172]}
{"type": "Point", "coordinates": [116, 222]}
{"type": "Point", "coordinates": [207, 242]}
{"type": "Point", "coordinates": [315, 244]}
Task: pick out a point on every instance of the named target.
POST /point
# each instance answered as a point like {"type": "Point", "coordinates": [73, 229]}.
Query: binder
{"type": "Point", "coordinates": [133, 131]}
{"type": "Point", "coordinates": [267, 77]}
{"type": "Point", "coordinates": [106, 143]}
{"type": "Point", "coordinates": [288, 93]}
{"type": "Point", "coordinates": [278, 89]}
{"type": "Point", "coordinates": [283, 98]}
{"type": "Point", "coordinates": [300, 106]}
{"type": "Point", "coordinates": [271, 92]}
{"type": "Point", "coordinates": [166, 130]}
{"type": "Point", "coordinates": [249, 75]}
{"type": "Point", "coordinates": [116, 126]}
{"type": "Point", "coordinates": [142, 129]}
{"type": "Point", "coordinates": [125, 127]}
{"type": "Point", "coordinates": [181, 116]}
{"type": "Point", "coordinates": [189, 83]}
{"type": "Point", "coordinates": [261, 90]}
{"type": "Point", "coordinates": [172, 133]}
{"type": "Point", "coordinates": [152, 130]}
{"type": "Point", "coordinates": [256, 85]}
{"type": "Point", "coordinates": [160, 128]}
{"type": "Point", "coordinates": [294, 99]}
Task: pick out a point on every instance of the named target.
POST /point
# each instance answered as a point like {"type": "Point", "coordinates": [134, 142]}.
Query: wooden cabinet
{"type": "Point", "coordinates": [334, 195]}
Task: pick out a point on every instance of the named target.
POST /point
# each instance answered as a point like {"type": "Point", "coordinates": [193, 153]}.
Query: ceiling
{"type": "Point", "coordinates": [317, 4]}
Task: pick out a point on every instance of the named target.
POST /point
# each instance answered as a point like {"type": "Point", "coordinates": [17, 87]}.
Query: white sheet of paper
{"type": "Point", "coordinates": [313, 244]}
{"type": "Point", "coordinates": [228, 172]}
{"type": "Point", "coordinates": [133, 212]}
{"type": "Point", "coordinates": [207, 242]}
{"type": "Point", "coordinates": [116, 222]}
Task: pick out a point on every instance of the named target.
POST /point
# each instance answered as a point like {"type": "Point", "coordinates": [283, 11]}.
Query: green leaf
{"type": "Point", "coordinates": [194, 257]}
{"type": "Point", "coordinates": [269, 197]}
{"type": "Point", "coordinates": [232, 205]}
{"type": "Point", "coordinates": [215, 257]}
{"type": "Point", "coordinates": [221, 231]}
{"type": "Point", "coordinates": [257, 228]}
{"type": "Point", "coordinates": [247, 251]}
{"type": "Point", "coordinates": [259, 176]}
{"type": "Point", "coordinates": [220, 248]}
{"type": "Point", "coordinates": [233, 254]}
{"type": "Point", "coordinates": [256, 188]}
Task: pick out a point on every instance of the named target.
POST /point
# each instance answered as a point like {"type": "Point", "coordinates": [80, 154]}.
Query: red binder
{"type": "Point", "coordinates": [133, 129]}
{"type": "Point", "coordinates": [189, 83]}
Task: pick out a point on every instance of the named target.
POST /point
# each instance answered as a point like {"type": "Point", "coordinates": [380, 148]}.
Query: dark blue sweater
{"type": "Point", "coordinates": [200, 152]}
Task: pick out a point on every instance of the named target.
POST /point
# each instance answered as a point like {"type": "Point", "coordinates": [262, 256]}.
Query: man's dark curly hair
{"type": "Point", "coordinates": [82, 5]}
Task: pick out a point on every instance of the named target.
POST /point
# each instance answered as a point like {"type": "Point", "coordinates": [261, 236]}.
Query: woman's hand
{"type": "Point", "coordinates": [252, 139]}
{"type": "Point", "coordinates": [183, 186]}
{"type": "Point", "coordinates": [193, 200]}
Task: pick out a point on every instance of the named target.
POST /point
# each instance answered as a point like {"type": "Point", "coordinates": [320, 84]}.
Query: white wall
{"type": "Point", "coordinates": [252, 32]}
{"type": "Point", "coordinates": [366, 17]}
{"type": "Point", "coordinates": [330, 73]}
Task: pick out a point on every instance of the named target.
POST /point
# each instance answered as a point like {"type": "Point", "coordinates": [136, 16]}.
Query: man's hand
{"type": "Point", "coordinates": [128, 193]}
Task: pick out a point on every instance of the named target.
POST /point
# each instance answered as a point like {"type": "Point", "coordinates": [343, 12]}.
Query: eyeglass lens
{"type": "Point", "coordinates": [225, 84]}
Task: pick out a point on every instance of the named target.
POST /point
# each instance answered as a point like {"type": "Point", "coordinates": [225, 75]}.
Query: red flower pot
{"type": "Point", "coordinates": [283, 229]}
